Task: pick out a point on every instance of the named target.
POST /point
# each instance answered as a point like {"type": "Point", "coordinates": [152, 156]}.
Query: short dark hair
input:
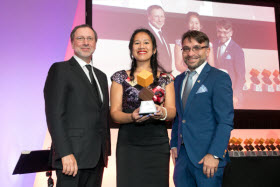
{"type": "Point", "coordinates": [198, 36]}
{"type": "Point", "coordinates": [154, 61]}
{"type": "Point", "coordinates": [224, 23]}
{"type": "Point", "coordinates": [82, 26]}
{"type": "Point", "coordinates": [152, 7]}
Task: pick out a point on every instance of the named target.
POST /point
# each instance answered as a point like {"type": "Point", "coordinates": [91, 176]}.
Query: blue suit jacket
{"type": "Point", "coordinates": [234, 62]}
{"type": "Point", "coordinates": [207, 121]}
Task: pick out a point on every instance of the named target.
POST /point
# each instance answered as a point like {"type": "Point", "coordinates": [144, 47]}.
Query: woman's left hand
{"type": "Point", "coordinates": [160, 113]}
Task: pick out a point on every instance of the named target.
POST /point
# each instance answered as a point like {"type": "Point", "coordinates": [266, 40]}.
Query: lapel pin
{"type": "Point", "coordinates": [198, 81]}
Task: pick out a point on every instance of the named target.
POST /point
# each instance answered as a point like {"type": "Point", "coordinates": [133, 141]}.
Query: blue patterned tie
{"type": "Point", "coordinates": [188, 87]}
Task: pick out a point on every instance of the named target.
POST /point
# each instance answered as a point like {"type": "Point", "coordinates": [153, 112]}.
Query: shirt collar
{"type": "Point", "coordinates": [227, 42]}
{"type": "Point", "coordinates": [198, 69]}
{"type": "Point", "coordinates": [155, 29]}
{"type": "Point", "coordinates": [81, 62]}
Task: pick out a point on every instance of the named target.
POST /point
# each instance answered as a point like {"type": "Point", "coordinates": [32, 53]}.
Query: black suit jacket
{"type": "Point", "coordinates": [77, 124]}
{"type": "Point", "coordinates": [164, 59]}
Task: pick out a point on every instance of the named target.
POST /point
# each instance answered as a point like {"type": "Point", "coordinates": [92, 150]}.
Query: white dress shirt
{"type": "Point", "coordinates": [194, 78]}
{"type": "Point", "coordinates": [156, 31]}
{"type": "Point", "coordinates": [222, 48]}
{"type": "Point", "coordinates": [83, 66]}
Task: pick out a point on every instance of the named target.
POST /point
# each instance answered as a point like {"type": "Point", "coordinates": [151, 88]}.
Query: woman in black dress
{"type": "Point", "coordinates": [143, 145]}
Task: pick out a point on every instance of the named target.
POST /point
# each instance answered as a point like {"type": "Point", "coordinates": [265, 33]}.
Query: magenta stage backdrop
{"type": "Point", "coordinates": [34, 34]}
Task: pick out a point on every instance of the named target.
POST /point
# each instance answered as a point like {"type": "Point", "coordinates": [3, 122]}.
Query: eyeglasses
{"type": "Point", "coordinates": [82, 39]}
{"type": "Point", "coordinates": [195, 48]}
{"type": "Point", "coordinates": [224, 32]}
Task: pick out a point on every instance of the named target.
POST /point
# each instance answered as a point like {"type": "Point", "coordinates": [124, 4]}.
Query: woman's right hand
{"type": "Point", "coordinates": [136, 117]}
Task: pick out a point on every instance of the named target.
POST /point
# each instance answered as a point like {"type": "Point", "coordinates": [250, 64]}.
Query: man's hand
{"type": "Point", "coordinates": [210, 165]}
{"type": "Point", "coordinates": [69, 164]}
{"type": "Point", "coordinates": [174, 154]}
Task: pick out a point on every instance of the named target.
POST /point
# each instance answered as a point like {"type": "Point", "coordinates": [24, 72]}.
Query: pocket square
{"type": "Point", "coordinates": [202, 89]}
{"type": "Point", "coordinates": [228, 57]}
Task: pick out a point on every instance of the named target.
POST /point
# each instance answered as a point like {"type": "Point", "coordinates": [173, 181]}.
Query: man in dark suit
{"type": "Point", "coordinates": [204, 120]}
{"type": "Point", "coordinates": [156, 20]}
{"type": "Point", "coordinates": [229, 57]}
{"type": "Point", "coordinates": [77, 109]}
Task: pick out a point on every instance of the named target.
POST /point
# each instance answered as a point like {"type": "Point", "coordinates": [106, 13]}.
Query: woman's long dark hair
{"type": "Point", "coordinates": [153, 63]}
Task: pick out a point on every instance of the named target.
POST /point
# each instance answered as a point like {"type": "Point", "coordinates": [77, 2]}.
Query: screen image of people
{"type": "Point", "coordinates": [192, 23]}
{"type": "Point", "coordinates": [156, 18]}
{"type": "Point", "coordinates": [229, 57]}
{"type": "Point", "coordinates": [236, 43]}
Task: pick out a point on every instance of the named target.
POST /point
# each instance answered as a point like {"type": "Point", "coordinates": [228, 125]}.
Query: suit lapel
{"type": "Point", "coordinates": [162, 43]}
{"type": "Point", "coordinates": [178, 92]}
{"type": "Point", "coordinates": [166, 46]}
{"type": "Point", "coordinates": [228, 48]}
{"type": "Point", "coordinates": [215, 50]}
{"type": "Point", "coordinates": [78, 70]}
{"type": "Point", "coordinates": [201, 78]}
{"type": "Point", "coordinates": [102, 84]}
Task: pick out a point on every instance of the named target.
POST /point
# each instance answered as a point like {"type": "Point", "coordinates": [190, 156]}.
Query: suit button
{"type": "Point", "coordinates": [181, 136]}
{"type": "Point", "coordinates": [183, 121]}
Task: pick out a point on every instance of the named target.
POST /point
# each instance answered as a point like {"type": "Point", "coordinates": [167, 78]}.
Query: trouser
{"type": "Point", "coordinates": [85, 177]}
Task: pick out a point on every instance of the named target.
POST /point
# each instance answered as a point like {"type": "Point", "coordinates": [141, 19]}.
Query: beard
{"type": "Point", "coordinates": [191, 65]}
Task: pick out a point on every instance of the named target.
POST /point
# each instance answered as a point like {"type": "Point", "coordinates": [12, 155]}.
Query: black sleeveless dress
{"type": "Point", "coordinates": [142, 148]}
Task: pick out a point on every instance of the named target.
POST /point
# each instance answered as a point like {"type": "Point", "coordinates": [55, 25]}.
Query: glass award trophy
{"type": "Point", "coordinates": [272, 147]}
{"type": "Point", "coordinates": [267, 83]}
{"type": "Point", "coordinates": [276, 80]}
{"type": "Point", "coordinates": [277, 142]}
{"type": "Point", "coordinates": [255, 82]}
{"type": "Point", "coordinates": [262, 148]}
{"type": "Point", "coordinates": [248, 146]}
{"type": "Point", "coordinates": [144, 79]}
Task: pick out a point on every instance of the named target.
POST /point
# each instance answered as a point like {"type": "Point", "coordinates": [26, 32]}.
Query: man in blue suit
{"type": "Point", "coordinates": [204, 120]}
{"type": "Point", "coordinates": [229, 56]}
